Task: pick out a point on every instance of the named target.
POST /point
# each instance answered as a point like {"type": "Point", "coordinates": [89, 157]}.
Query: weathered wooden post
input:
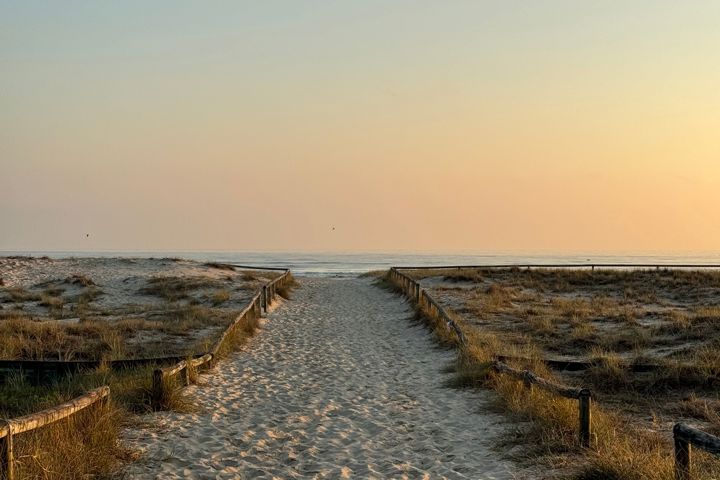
{"type": "Point", "coordinates": [527, 380]}
{"type": "Point", "coordinates": [158, 387]}
{"type": "Point", "coordinates": [265, 298]}
{"type": "Point", "coordinates": [101, 405]}
{"type": "Point", "coordinates": [7, 460]}
{"type": "Point", "coordinates": [186, 372]}
{"type": "Point", "coordinates": [585, 400]}
{"type": "Point", "coordinates": [682, 455]}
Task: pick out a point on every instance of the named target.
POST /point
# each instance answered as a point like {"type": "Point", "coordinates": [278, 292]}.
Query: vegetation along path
{"type": "Point", "coordinates": [339, 384]}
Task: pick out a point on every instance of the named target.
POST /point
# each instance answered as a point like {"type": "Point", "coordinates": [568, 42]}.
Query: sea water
{"type": "Point", "coordinates": [349, 264]}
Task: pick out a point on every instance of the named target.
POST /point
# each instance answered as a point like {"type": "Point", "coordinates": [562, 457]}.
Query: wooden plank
{"type": "Point", "coordinates": [170, 371]}
{"type": "Point", "coordinates": [585, 401]}
{"type": "Point", "coordinates": [697, 438]}
{"type": "Point", "coordinates": [51, 415]}
{"type": "Point", "coordinates": [201, 361]}
{"type": "Point", "coordinates": [158, 387]}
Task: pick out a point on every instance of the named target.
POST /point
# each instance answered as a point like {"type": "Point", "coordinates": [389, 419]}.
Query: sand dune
{"type": "Point", "coordinates": [338, 385]}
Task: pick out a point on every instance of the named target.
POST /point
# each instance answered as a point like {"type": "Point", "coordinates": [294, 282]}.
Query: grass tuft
{"type": "Point", "coordinates": [285, 290]}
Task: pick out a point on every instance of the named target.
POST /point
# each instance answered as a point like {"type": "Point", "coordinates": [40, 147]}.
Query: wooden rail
{"type": "Point", "coordinates": [685, 437]}
{"type": "Point", "coordinates": [425, 302]}
{"type": "Point", "coordinates": [582, 395]}
{"type": "Point", "coordinates": [412, 289]}
{"type": "Point", "coordinates": [162, 377]}
{"type": "Point", "coordinates": [40, 419]}
{"type": "Point", "coordinates": [41, 372]}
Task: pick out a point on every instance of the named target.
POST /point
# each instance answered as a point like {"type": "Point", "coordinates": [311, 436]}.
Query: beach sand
{"type": "Point", "coordinates": [338, 384]}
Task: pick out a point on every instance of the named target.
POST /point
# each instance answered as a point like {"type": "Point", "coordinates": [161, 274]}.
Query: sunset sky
{"type": "Point", "coordinates": [407, 125]}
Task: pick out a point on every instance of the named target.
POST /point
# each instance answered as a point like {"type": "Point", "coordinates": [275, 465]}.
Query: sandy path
{"type": "Point", "coordinates": [338, 384]}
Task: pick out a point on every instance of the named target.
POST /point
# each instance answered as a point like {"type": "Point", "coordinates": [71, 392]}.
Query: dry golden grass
{"type": "Point", "coordinates": [196, 312]}
{"type": "Point", "coordinates": [178, 288]}
{"type": "Point", "coordinates": [220, 266]}
{"type": "Point", "coordinates": [571, 313]}
{"type": "Point", "coordinates": [240, 335]}
{"type": "Point", "coordinates": [285, 290]}
{"type": "Point", "coordinates": [25, 338]}
{"type": "Point", "coordinates": [623, 448]}
{"type": "Point", "coordinates": [220, 297]}
{"type": "Point", "coordinates": [90, 447]}
{"type": "Point", "coordinates": [89, 440]}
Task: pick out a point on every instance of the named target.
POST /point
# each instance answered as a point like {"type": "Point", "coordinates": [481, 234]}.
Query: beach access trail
{"type": "Point", "coordinates": [338, 384]}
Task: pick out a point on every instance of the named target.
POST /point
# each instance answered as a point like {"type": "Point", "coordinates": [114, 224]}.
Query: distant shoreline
{"type": "Point", "coordinates": [322, 264]}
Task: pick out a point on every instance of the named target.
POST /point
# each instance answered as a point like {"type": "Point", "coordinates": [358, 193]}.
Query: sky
{"type": "Point", "coordinates": [404, 125]}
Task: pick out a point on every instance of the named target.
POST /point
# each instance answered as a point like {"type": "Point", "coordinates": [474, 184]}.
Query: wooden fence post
{"type": "Point", "coordinates": [265, 298]}
{"type": "Point", "coordinates": [186, 372]}
{"type": "Point", "coordinates": [7, 460]}
{"type": "Point", "coordinates": [682, 456]}
{"type": "Point", "coordinates": [585, 400]}
{"type": "Point", "coordinates": [527, 380]}
{"type": "Point", "coordinates": [158, 387]}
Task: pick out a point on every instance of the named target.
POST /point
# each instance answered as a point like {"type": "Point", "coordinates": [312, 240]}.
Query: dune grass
{"type": "Point", "coordinates": [90, 446]}
{"type": "Point", "coordinates": [89, 440]}
{"type": "Point", "coordinates": [617, 319]}
{"type": "Point", "coordinates": [285, 290]}
{"type": "Point", "coordinates": [25, 338]}
{"type": "Point", "coordinates": [622, 448]}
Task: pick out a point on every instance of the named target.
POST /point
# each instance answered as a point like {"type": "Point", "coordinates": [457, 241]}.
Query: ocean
{"type": "Point", "coordinates": [350, 264]}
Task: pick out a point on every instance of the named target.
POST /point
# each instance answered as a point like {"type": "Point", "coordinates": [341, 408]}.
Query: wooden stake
{"type": "Point", "coordinates": [158, 387]}
{"type": "Point", "coordinates": [7, 461]}
{"type": "Point", "coordinates": [585, 399]}
{"type": "Point", "coordinates": [682, 456]}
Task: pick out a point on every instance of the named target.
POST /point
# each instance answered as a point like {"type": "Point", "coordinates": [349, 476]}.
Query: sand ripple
{"type": "Point", "coordinates": [338, 385]}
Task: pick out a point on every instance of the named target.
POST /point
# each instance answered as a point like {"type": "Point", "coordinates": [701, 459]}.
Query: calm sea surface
{"type": "Point", "coordinates": [354, 263]}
